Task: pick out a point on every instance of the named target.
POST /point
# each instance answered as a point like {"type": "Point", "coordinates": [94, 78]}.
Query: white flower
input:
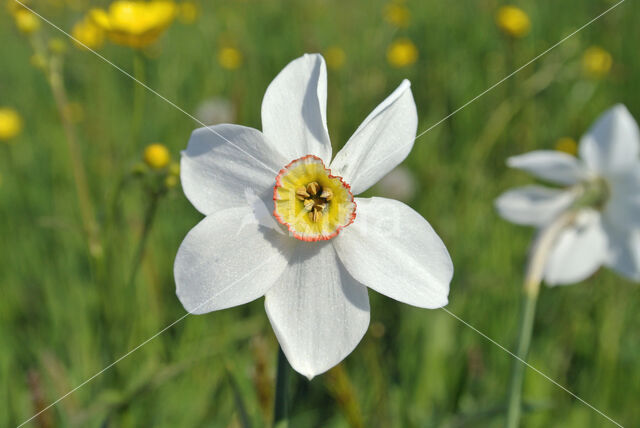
{"type": "Point", "coordinates": [603, 190]}
{"type": "Point", "coordinates": [315, 255]}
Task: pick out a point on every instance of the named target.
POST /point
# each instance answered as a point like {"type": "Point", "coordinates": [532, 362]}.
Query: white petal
{"type": "Point", "coordinates": [317, 310]}
{"type": "Point", "coordinates": [380, 143]}
{"type": "Point", "coordinates": [578, 252]}
{"type": "Point", "coordinates": [223, 161]}
{"type": "Point", "coordinates": [550, 165]}
{"type": "Point", "coordinates": [613, 142]}
{"type": "Point", "coordinates": [624, 247]}
{"type": "Point", "coordinates": [294, 109]}
{"type": "Point", "coordinates": [227, 261]}
{"type": "Point", "coordinates": [393, 250]}
{"type": "Point", "coordinates": [533, 205]}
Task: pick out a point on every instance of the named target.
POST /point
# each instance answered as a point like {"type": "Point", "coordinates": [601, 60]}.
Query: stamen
{"type": "Point", "coordinates": [312, 188]}
{"type": "Point", "coordinates": [315, 215]}
{"type": "Point", "coordinates": [301, 193]}
{"type": "Point", "coordinates": [326, 194]}
{"type": "Point", "coordinates": [313, 204]}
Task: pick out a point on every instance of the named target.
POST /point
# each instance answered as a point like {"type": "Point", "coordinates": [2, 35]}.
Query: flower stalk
{"type": "Point", "coordinates": [531, 289]}
{"type": "Point", "coordinates": [55, 77]}
{"type": "Point", "coordinates": [281, 405]}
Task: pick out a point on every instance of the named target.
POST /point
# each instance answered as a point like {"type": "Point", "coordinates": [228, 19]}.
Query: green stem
{"type": "Point", "coordinates": [533, 278]}
{"type": "Point", "coordinates": [146, 228]}
{"type": "Point", "coordinates": [56, 82]}
{"type": "Point", "coordinates": [138, 95]}
{"type": "Point", "coordinates": [281, 410]}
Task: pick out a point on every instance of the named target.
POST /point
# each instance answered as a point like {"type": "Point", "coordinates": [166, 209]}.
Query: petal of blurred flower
{"type": "Point", "coordinates": [398, 184]}
{"type": "Point", "coordinates": [533, 205]}
{"type": "Point", "coordinates": [315, 291]}
{"type": "Point", "coordinates": [550, 165]}
{"type": "Point", "coordinates": [578, 252]}
{"type": "Point", "coordinates": [613, 142]}
{"type": "Point", "coordinates": [214, 111]}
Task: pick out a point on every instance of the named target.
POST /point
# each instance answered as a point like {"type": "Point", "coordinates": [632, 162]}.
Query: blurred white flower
{"type": "Point", "coordinates": [398, 184]}
{"type": "Point", "coordinates": [315, 275]}
{"type": "Point", "coordinates": [214, 111]}
{"type": "Point", "coordinates": [603, 191]}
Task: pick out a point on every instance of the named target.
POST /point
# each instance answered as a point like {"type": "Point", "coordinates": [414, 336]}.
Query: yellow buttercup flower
{"type": "Point", "coordinates": [26, 21]}
{"type": "Point", "coordinates": [402, 53]}
{"type": "Point", "coordinates": [156, 156]}
{"type": "Point", "coordinates": [513, 21]}
{"type": "Point", "coordinates": [188, 12]}
{"type": "Point", "coordinates": [335, 57]}
{"type": "Point", "coordinates": [10, 123]}
{"type": "Point", "coordinates": [397, 14]}
{"type": "Point", "coordinates": [567, 145]}
{"type": "Point", "coordinates": [230, 58]}
{"type": "Point", "coordinates": [135, 23]}
{"type": "Point", "coordinates": [88, 34]}
{"type": "Point", "coordinates": [596, 62]}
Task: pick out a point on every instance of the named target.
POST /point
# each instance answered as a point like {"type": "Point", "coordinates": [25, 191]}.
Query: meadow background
{"type": "Point", "coordinates": [68, 308]}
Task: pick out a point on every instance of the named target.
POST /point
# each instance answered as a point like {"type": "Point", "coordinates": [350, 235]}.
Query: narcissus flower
{"type": "Point", "coordinates": [603, 194]}
{"type": "Point", "coordinates": [282, 220]}
{"type": "Point", "coordinates": [135, 23]}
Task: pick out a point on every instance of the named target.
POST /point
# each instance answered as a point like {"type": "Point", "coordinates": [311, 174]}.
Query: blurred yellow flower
{"type": "Point", "coordinates": [174, 169]}
{"type": "Point", "coordinates": [57, 45]}
{"type": "Point", "coordinates": [135, 23]}
{"type": "Point", "coordinates": [402, 53]}
{"type": "Point", "coordinates": [596, 62]}
{"type": "Point", "coordinates": [335, 57]}
{"type": "Point", "coordinates": [26, 21]}
{"type": "Point", "coordinates": [171, 181]}
{"type": "Point", "coordinates": [10, 123]}
{"type": "Point", "coordinates": [567, 145]}
{"type": "Point", "coordinates": [397, 14]}
{"type": "Point", "coordinates": [88, 34]}
{"type": "Point", "coordinates": [156, 156]}
{"type": "Point", "coordinates": [230, 58]}
{"type": "Point", "coordinates": [513, 21]}
{"type": "Point", "coordinates": [188, 12]}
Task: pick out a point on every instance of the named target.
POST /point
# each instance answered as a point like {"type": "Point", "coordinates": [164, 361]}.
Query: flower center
{"type": "Point", "coordinates": [313, 204]}
{"type": "Point", "coordinates": [594, 193]}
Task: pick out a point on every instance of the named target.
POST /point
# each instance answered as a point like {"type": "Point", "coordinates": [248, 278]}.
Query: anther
{"type": "Point", "coordinates": [313, 188]}
{"type": "Point", "coordinates": [308, 204]}
{"type": "Point", "coordinates": [301, 193]}
{"type": "Point", "coordinates": [315, 215]}
{"type": "Point", "coordinates": [326, 194]}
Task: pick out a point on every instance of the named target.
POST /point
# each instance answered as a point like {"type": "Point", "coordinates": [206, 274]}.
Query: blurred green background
{"type": "Point", "coordinates": [69, 305]}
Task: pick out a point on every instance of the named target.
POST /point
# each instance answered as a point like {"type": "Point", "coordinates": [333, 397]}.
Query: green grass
{"type": "Point", "coordinates": [64, 316]}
